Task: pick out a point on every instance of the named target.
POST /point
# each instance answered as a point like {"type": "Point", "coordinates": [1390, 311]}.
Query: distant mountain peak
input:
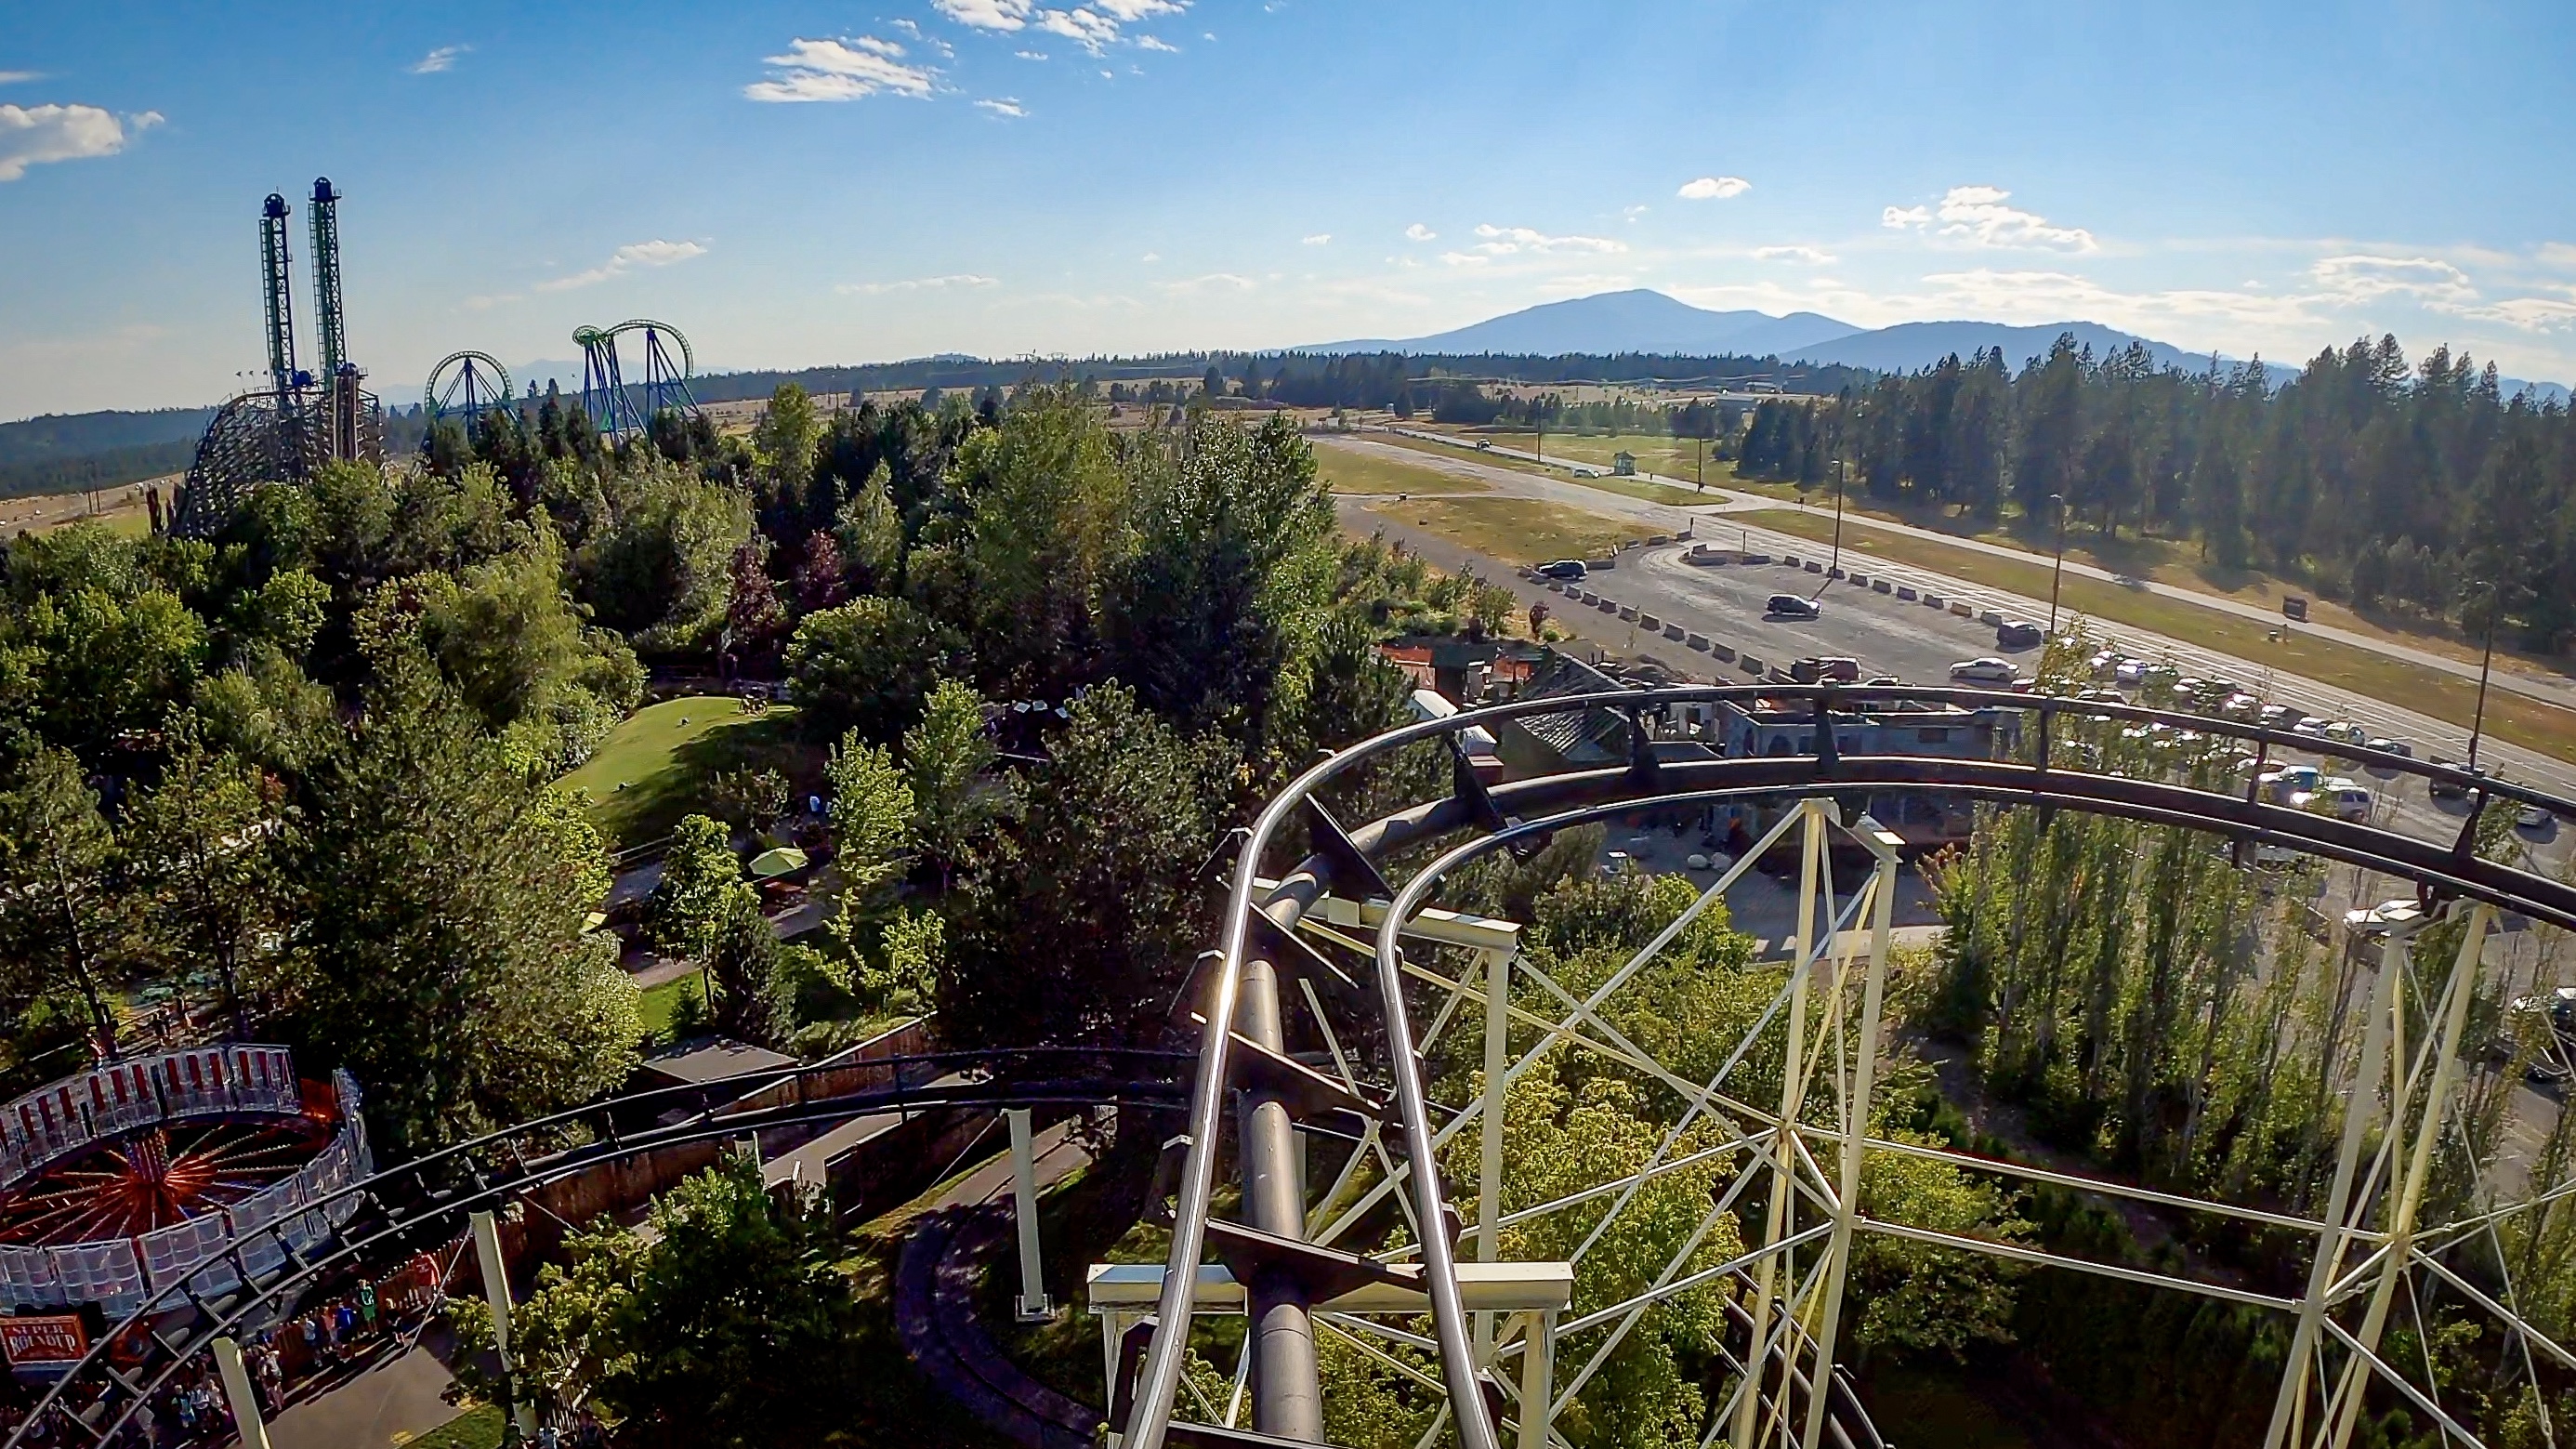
{"type": "Point", "coordinates": [1637, 320]}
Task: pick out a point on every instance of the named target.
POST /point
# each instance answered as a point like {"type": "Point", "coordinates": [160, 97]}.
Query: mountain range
{"type": "Point", "coordinates": [1644, 321]}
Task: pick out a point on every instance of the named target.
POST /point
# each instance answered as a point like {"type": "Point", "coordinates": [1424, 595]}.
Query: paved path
{"type": "Point", "coordinates": [951, 1248]}
{"type": "Point", "coordinates": [393, 1400]}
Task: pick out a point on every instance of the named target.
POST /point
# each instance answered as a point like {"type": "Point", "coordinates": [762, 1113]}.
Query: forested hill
{"type": "Point", "coordinates": [70, 452]}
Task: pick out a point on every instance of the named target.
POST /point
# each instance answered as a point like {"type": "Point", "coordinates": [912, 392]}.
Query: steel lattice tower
{"type": "Point", "coordinates": [276, 277]}
{"type": "Point", "coordinates": [326, 277]}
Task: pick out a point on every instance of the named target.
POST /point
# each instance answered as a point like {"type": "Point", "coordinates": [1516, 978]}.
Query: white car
{"type": "Point", "coordinates": [2337, 797]}
{"type": "Point", "coordinates": [1985, 671]}
{"type": "Point", "coordinates": [2130, 673]}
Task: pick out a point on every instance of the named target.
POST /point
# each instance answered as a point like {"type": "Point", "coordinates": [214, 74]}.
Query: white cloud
{"type": "Point", "coordinates": [1419, 233]}
{"type": "Point", "coordinates": [1150, 258]}
{"type": "Point", "coordinates": [19, 77]}
{"type": "Point", "coordinates": [918, 284]}
{"type": "Point", "coordinates": [34, 135]}
{"type": "Point", "coordinates": [2529, 314]}
{"type": "Point", "coordinates": [1006, 106]}
{"type": "Point", "coordinates": [1147, 42]}
{"type": "Point", "coordinates": [626, 259]}
{"type": "Point", "coordinates": [1977, 215]}
{"type": "Point", "coordinates": [1464, 259]}
{"type": "Point", "coordinates": [1321, 238]}
{"type": "Point", "coordinates": [2367, 278]}
{"type": "Point", "coordinates": [1130, 11]}
{"type": "Point", "coordinates": [987, 14]}
{"type": "Point", "coordinates": [1505, 240]}
{"type": "Point", "coordinates": [1813, 256]}
{"type": "Point", "coordinates": [1714, 188]}
{"type": "Point", "coordinates": [1212, 282]}
{"type": "Point", "coordinates": [441, 59]}
{"type": "Point", "coordinates": [840, 70]}
{"type": "Point", "coordinates": [2558, 254]}
{"type": "Point", "coordinates": [1082, 25]}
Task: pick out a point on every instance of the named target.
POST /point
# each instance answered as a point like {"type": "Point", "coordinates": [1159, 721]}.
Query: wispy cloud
{"type": "Point", "coordinates": [625, 259]}
{"type": "Point", "coordinates": [18, 77]}
{"type": "Point", "coordinates": [918, 284]}
{"type": "Point", "coordinates": [2368, 278]}
{"type": "Point", "coordinates": [1813, 256]}
{"type": "Point", "coordinates": [1419, 233]}
{"type": "Point", "coordinates": [841, 70]}
{"type": "Point", "coordinates": [1977, 215]}
{"type": "Point", "coordinates": [987, 14]}
{"type": "Point", "coordinates": [1502, 241]}
{"type": "Point", "coordinates": [1093, 25]}
{"type": "Point", "coordinates": [1030, 54]}
{"type": "Point", "coordinates": [2557, 254]}
{"type": "Point", "coordinates": [1212, 282]}
{"type": "Point", "coordinates": [441, 59]}
{"type": "Point", "coordinates": [1148, 42]}
{"type": "Point", "coordinates": [34, 135]}
{"type": "Point", "coordinates": [1714, 188]}
{"type": "Point", "coordinates": [1321, 238]}
{"type": "Point", "coordinates": [1005, 106]}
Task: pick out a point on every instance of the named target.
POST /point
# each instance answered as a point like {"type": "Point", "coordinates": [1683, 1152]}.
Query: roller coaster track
{"type": "Point", "coordinates": [1793, 1281]}
{"type": "Point", "coordinates": [428, 1200]}
{"type": "Point", "coordinates": [1284, 943]}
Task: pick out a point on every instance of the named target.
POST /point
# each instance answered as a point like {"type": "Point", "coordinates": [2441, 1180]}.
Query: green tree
{"type": "Point", "coordinates": [945, 757]}
{"type": "Point", "coordinates": [872, 812]}
{"type": "Point", "coordinates": [865, 666]}
{"type": "Point", "coordinates": [871, 533]}
{"type": "Point", "coordinates": [200, 869]}
{"type": "Point", "coordinates": [1083, 881]}
{"type": "Point", "coordinates": [728, 1323]}
{"type": "Point", "coordinates": [784, 441]}
{"type": "Point", "coordinates": [1049, 516]}
{"type": "Point", "coordinates": [57, 929]}
{"type": "Point", "coordinates": [749, 999]}
{"type": "Point", "coordinates": [443, 896]}
{"type": "Point", "coordinates": [700, 883]}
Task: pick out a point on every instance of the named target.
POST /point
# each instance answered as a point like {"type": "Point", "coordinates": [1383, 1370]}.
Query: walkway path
{"type": "Point", "coordinates": [951, 1248]}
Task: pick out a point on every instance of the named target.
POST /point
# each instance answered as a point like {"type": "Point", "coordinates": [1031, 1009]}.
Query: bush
{"type": "Point", "coordinates": [866, 666]}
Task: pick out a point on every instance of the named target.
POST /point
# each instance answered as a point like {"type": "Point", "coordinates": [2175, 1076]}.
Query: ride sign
{"type": "Point", "coordinates": [45, 1343]}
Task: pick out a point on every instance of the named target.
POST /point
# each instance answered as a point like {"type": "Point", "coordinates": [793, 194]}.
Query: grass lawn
{"type": "Point", "coordinates": [1345, 471]}
{"type": "Point", "coordinates": [661, 1001]}
{"type": "Point", "coordinates": [1516, 530]}
{"type": "Point", "coordinates": [2526, 722]}
{"type": "Point", "coordinates": [655, 768]}
{"type": "Point", "coordinates": [1637, 488]}
{"type": "Point", "coordinates": [477, 1428]}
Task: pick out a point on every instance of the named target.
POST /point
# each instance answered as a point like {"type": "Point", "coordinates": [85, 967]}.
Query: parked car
{"type": "Point", "coordinates": [2448, 789]}
{"type": "Point", "coordinates": [1793, 606]}
{"type": "Point", "coordinates": [1985, 671]}
{"type": "Point", "coordinates": [2130, 673]}
{"type": "Point", "coordinates": [2383, 768]}
{"type": "Point", "coordinates": [1823, 668]}
{"type": "Point", "coordinates": [1564, 568]}
{"type": "Point", "coordinates": [2278, 716]}
{"type": "Point", "coordinates": [2338, 797]}
{"type": "Point", "coordinates": [2534, 817]}
{"type": "Point", "coordinates": [2290, 780]}
{"type": "Point", "coordinates": [2347, 732]}
{"type": "Point", "coordinates": [2018, 634]}
{"type": "Point", "coordinates": [2105, 664]}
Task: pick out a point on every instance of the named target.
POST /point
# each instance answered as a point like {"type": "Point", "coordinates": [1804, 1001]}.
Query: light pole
{"type": "Point", "coordinates": [2478, 722]}
{"type": "Point", "coordinates": [1832, 568]}
{"type": "Point", "coordinates": [2057, 570]}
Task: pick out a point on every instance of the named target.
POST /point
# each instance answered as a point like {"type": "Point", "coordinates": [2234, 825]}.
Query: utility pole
{"type": "Point", "coordinates": [1832, 569]}
{"type": "Point", "coordinates": [2486, 663]}
{"type": "Point", "coordinates": [2057, 571]}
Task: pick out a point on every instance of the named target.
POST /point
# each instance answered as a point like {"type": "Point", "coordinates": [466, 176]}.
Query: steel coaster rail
{"type": "Point", "coordinates": [445, 1185]}
{"type": "Point", "coordinates": [2450, 869]}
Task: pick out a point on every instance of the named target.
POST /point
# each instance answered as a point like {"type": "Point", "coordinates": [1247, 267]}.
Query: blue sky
{"type": "Point", "coordinates": [805, 183]}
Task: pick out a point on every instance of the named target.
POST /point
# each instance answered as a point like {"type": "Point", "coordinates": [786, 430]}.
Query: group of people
{"type": "Point", "coordinates": [191, 1407]}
